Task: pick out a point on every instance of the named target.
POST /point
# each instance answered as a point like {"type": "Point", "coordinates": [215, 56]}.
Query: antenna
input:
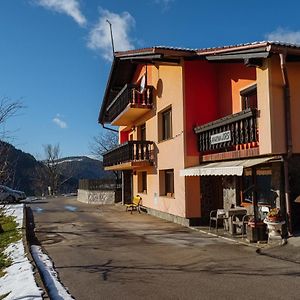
{"type": "Point", "coordinates": [112, 38]}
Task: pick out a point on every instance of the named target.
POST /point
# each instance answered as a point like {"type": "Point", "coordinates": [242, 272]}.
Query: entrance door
{"type": "Point", "coordinates": [127, 186]}
{"type": "Point", "coordinates": [229, 192]}
{"type": "Point", "coordinates": [211, 195]}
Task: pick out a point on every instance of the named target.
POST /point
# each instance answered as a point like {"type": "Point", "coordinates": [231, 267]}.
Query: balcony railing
{"type": "Point", "coordinates": [131, 151]}
{"type": "Point", "coordinates": [132, 96]}
{"type": "Point", "coordinates": [227, 132]}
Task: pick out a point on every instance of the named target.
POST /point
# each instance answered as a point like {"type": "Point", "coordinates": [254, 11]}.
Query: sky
{"type": "Point", "coordinates": [55, 55]}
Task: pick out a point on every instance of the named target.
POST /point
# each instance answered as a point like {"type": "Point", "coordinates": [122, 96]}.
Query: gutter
{"type": "Point", "coordinates": [111, 129]}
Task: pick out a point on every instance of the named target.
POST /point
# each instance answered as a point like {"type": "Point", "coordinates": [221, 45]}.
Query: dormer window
{"type": "Point", "coordinates": [249, 97]}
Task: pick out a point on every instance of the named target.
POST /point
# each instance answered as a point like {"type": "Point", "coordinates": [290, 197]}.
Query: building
{"type": "Point", "coordinates": [208, 128]}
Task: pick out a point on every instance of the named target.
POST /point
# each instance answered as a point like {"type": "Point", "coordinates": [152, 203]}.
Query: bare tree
{"type": "Point", "coordinates": [52, 154]}
{"type": "Point", "coordinates": [8, 109]}
{"type": "Point", "coordinates": [7, 165]}
{"type": "Point", "coordinates": [103, 142]}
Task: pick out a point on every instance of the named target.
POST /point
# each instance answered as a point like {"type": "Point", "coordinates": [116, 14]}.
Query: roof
{"type": "Point", "coordinates": [207, 50]}
{"type": "Point", "coordinates": [156, 49]}
{"type": "Point", "coordinates": [125, 62]}
{"type": "Point", "coordinates": [251, 45]}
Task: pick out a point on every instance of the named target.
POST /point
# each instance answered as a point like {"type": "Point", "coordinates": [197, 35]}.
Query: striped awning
{"type": "Point", "coordinates": [224, 168]}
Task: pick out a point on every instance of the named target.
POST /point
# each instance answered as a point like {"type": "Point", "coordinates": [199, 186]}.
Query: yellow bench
{"type": "Point", "coordinates": [135, 204]}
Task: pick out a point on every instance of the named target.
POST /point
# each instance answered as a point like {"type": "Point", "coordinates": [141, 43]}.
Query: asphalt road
{"type": "Point", "coordinates": [102, 252]}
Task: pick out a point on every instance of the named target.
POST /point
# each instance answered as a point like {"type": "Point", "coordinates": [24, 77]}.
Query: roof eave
{"type": "Point", "coordinates": [232, 49]}
{"type": "Point", "coordinates": [101, 113]}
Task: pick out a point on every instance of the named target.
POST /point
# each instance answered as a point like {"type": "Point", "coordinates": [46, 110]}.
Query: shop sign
{"type": "Point", "coordinates": [221, 137]}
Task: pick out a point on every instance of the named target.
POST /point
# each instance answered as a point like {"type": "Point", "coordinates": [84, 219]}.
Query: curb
{"type": "Point", "coordinates": [30, 240]}
{"type": "Point", "coordinates": [252, 245]}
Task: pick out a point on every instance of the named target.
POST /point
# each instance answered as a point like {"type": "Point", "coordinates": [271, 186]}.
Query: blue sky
{"type": "Point", "coordinates": [55, 55]}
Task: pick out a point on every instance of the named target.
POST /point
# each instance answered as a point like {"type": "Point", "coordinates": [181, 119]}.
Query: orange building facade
{"type": "Point", "coordinates": [206, 129]}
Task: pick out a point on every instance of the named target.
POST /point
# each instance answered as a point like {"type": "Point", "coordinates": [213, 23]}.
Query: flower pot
{"type": "Point", "coordinates": [274, 219]}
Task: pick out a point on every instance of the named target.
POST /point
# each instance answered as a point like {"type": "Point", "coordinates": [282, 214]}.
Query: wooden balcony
{"type": "Point", "coordinates": [227, 133]}
{"type": "Point", "coordinates": [129, 105]}
{"type": "Point", "coordinates": [130, 155]}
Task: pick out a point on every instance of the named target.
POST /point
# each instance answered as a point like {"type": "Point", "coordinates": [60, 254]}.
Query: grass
{"type": "Point", "coordinates": [9, 235]}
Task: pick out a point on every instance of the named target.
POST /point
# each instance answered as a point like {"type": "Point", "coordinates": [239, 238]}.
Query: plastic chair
{"type": "Point", "coordinates": [215, 216]}
{"type": "Point", "coordinates": [135, 204]}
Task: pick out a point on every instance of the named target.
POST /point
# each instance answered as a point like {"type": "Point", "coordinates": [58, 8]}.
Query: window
{"type": "Point", "coordinates": [169, 181]}
{"type": "Point", "coordinates": [166, 180]}
{"type": "Point", "coordinates": [142, 182]}
{"type": "Point", "coordinates": [165, 124]}
{"type": "Point", "coordinates": [264, 192]}
{"type": "Point", "coordinates": [249, 97]}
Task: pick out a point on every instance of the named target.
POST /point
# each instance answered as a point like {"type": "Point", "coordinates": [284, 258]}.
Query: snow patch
{"type": "Point", "coordinates": [69, 160]}
{"type": "Point", "coordinates": [17, 211]}
{"type": "Point", "coordinates": [18, 281]}
{"type": "Point", "coordinates": [56, 290]}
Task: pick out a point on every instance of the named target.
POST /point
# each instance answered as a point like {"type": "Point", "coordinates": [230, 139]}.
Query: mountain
{"type": "Point", "coordinates": [22, 171]}
{"type": "Point", "coordinates": [82, 167]}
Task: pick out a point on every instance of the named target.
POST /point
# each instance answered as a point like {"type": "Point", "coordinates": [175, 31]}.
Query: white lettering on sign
{"type": "Point", "coordinates": [220, 137]}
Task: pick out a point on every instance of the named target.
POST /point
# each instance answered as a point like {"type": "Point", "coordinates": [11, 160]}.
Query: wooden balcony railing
{"type": "Point", "coordinates": [131, 151]}
{"type": "Point", "coordinates": [130, 95]}
{"type": "Point", "coordinates": [227, 132]}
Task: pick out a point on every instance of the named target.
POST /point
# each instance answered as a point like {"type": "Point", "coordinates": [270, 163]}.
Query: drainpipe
{"type": "Point", "coordinates": [289, 144]}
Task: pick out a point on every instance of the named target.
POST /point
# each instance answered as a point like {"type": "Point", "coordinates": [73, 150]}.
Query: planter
{"type": "Point", "coordinates": [256, 232]}
{"type": "Point", "coordinates": [274, 219]}
{"type": "Point", "coordinates": [275, 229]}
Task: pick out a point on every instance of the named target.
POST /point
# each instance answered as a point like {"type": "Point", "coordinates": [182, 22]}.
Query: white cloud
{"type": "Point", "coordinates": [59, 122]}
{"type": "Point", "coordinates": [165, 3]}
{"type": "Point", "coordinates": [99, 36]}
{"type": "Point", "coordinates": [68, 7]}
{"type": "Point", "coordinates": [284, 35]}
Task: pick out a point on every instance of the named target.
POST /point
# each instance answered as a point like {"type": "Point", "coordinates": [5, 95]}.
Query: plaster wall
{"type": "Point", "coordinates": [169, 154]}
{"type": "Point", "coordinates": [294, 75]}
{"type": "Point", "coordinates": [231, 79]}
{"type": "Point", "coordinates": [271, 121]}
{"type": "Point", "coordinates": [277, 118]}
{"type": "Point", "coordinates": [263, 106]}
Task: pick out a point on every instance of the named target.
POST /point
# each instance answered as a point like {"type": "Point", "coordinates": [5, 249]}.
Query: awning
{"type": "Point", "coordinates": [224, 168]}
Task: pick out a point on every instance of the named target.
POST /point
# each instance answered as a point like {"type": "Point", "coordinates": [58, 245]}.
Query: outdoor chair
{"type": "Point", "coordinates": [135, 204]}
{"type": "Point", "coordinates": [215, 216]}
{"type": "Point", "coordinates": [241, 223]}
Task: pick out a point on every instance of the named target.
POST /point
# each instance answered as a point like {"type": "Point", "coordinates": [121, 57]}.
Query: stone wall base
{"type": "Point", "coordinates": [96, 197]}
{"type": "Point", "coordinates": [172, 218]}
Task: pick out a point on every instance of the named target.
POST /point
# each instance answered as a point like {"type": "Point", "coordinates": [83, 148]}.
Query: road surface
{"type": "Point", "coordinates": [103, 252]}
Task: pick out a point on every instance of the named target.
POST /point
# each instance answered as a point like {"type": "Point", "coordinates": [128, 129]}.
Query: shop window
{"type": "Point", "coordinates": [165, 124]}
{"type": "Point", "coordinates": [249, 97]}
{"type": "Point", "coordinates": [166, 180]}
{"type": "Point", "coordinates": [142, 182]}
{"type": "Point", "coordinates": [265, 196]}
